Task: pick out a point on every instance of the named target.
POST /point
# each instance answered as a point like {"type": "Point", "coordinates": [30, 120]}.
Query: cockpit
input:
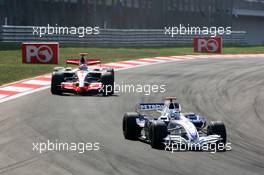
{"type": "Point", "coordinates": [83, 64]}
{"type": "Point", "coordinates": [172, 109]}
{"type": "Point", "coordinates": [83, 67]}
{"type": "Point", "coordinates": [175, 115]}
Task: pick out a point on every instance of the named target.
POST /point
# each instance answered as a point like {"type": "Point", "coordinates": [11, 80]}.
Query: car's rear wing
{"type": "Point", "coordinates": [149, 106]}
{"type": "Point", "coordinates": [88, 61]}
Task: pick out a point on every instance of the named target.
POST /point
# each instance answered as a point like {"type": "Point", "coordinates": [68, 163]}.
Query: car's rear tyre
{"type": "Point", "coordinates": [158, 131]}
{"type": "Point", "coordinates": [131, 130]}
{"type": "Point", "coordinates": [56, 80]}
{"type": "Point", "coordinates": [108, 79]}
{"type": "Point", "coordinates": [218, 128]}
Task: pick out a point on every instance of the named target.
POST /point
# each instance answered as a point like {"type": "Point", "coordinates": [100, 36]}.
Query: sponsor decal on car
{"type": "Point", "coordinates": [150, 106]}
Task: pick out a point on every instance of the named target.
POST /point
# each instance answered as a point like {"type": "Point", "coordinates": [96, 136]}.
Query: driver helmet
{"type": "Point", "coordinates": [83, 67]}
{"type": "Point", "coordinates": [175, 115]}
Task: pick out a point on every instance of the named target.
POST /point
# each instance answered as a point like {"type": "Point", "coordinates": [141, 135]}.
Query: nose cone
{"type": "Point", "coordinates": [81, 89]}
{"type": "Point", "coordinates": [81, 84]}
{"type": "Point", "coordinates": [81, 77]}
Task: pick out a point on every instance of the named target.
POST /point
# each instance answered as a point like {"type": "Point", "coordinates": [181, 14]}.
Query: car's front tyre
{"type": "Point", "coordinates": [158, 131]}
{"type": "Point", "coordinates": [108, 79]}
{"type": "Point", "coordinates": [131, 130]}
{"type": "Point", "coordinates": [217, 128]}
{"type": "Point", "coordinates": [56, 80]}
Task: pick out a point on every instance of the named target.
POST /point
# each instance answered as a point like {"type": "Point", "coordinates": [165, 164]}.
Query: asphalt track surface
{"type": "Point", "coordinates": [221, 89]}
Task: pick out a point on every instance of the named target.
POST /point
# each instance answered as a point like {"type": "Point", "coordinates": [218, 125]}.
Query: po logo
{"type": "Point", "coordinates": [208, 45]}
{"type": "Point", "coordinates": [42, 53]}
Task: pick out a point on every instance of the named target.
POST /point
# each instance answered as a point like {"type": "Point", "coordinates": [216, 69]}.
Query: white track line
{"type": "Point", "coordinates": [47, 76]}
{"type": "Point", "coordinates": [3, 96]}
{"type": "Point", "coordinates": [184, 57]}
{"type": "Point", "coordinates": [119, 64]}
{"type": "Point", "coordinates": [23, 94]}
{"type": "Point", "coordinates": [37, 82]}
{"type": "Point", "coordinates": [165, 58]}
{"type": "Point", "coordinates": [15, 89]}
{"type": "Point", "coordinates": [135, 62]}
{"type": "Point", "coordinates": [153, 59]}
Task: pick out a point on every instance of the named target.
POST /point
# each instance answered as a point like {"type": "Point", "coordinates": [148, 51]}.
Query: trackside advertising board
{"type": "Point", "coordinates": [40, 52]}
{"type": "Point", "coordinates": [208, 44]}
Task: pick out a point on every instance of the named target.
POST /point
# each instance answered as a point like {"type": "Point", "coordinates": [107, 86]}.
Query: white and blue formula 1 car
{"type": "Point", "coordinates": [163, 124]}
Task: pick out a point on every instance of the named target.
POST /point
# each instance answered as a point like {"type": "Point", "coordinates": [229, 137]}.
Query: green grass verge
{"type": "Point", "coordinates": [11, 68]}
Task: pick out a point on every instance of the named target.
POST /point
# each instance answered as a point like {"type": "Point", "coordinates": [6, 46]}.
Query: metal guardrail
{"type": "Point", "coordinates": [116, 37]}
{"type": "Point", "coordinates": [249, 4]}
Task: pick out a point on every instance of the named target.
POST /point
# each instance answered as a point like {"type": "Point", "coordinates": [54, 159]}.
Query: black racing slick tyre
{"type": "Point", "coordinates": [110, 70]}
{"type": "Point", "coordinates": [158, 131]}
{"type": "Point", "coordinates": [218, 128]}
{"type": "Point", "coordinates": [108, 79]}
{"type": "Point", "coordinates": [131, 130]}
{"type": "Point", "coordinates": [112, 79]}
{"type": "Point", "coordinates": [56, 80]}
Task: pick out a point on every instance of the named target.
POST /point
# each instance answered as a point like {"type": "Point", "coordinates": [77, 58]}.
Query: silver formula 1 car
{"type": "Point", "coordinates": [83, 79]}
{"type": "Point", "coordinates": [164, 123]}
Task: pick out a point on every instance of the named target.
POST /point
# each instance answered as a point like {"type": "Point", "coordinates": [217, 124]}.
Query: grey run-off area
{"type": "Point", "coordinates": [221, 89]}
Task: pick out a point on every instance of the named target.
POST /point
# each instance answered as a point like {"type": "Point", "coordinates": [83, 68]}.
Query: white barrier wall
{"type": "Point", "coordinates": [109, 37]}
